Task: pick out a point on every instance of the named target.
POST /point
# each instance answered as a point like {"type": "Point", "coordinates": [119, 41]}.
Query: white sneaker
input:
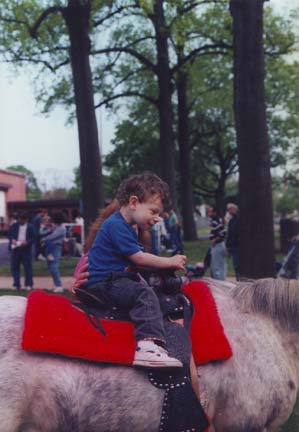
{"type": "Point", "coordinates": [50, 257]}
{"type": "Point", "coordinates": [41, 257]}
{"type": "Point", "coordinates": [28, 288]}
{"type": "Point", "coordinates": [58, 289]}
{"type": "Point", "coordinates": [149, 354]}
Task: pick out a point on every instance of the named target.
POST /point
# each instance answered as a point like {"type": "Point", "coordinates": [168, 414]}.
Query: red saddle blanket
{"type": "Point", "coordinates": [53, 325]}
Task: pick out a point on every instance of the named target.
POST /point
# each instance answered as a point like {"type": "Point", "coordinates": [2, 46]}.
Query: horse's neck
{"type": "Point", "coordinates": [290, 343]}
{"type": "Point", "coordinates": [238, 324]}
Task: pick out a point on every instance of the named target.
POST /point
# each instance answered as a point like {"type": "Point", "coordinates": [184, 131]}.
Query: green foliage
{"type": "Point", "coordinates": [212, 136]}
{"type": "Point", "coordinates": [76, 191]}
{"type": "Point", "coordinates": [33, 192]}
{"type": "Point", "coordinates": [285, 194]}
{"type": "Point", "coordinates": [293, 422]}
{"type": "Point", "coordinates": [282, 87]}
{"type": "Point", "coordinates": [136, 145]}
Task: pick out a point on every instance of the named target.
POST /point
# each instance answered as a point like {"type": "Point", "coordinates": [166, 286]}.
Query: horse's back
{"type": "Point", "coordinates": [48, 393]}
{"type": "Point", "coordinates": [12, 310]}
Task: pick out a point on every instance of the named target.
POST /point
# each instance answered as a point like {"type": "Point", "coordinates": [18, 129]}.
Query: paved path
{"type": "Point", "coordinates": [41, 282]}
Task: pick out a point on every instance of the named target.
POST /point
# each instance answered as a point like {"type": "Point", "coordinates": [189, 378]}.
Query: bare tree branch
{"type": "Point", "coordinates": [112, 14]}
{"type": "Point", "coordinates": [20, 59]}
{"type": "Point", "coordinates": [130, 51]}
{"type": "Point", "coordinates": [34, 29]}
{"type": "Point", "coordinates": [127, 94]}
{"type": "Point", "coordinates": [50, 51]}
{"type": "Point", "coordinates": [280, 51]}
{"type": "Point", "coordinates": [203, 50]}
{"type": "Point", "coordinates": [129, 75]}
{"type": "Point", "coordinates": [13, 21]}
{"type": "Point", "coordinates": [188, 6]}
{"type": "Point", "coordinates": [201, 190]}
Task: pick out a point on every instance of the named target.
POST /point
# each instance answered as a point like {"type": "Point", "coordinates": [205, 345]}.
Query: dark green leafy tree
{"type": "Point", "coordinates": [136, 144]}
{"type": "Point", "coordinates": [208, 116]}
{"type": "Point", "coordinates": [139, 47]}
{"type": "Point", "coordinates": [138, 53]}
{"type": "Point", "coordinates": [191, 45]}
{"type": "Point", "coordinates": [286, 192]}
{"type": "Point", "coordinates": [33, 191]}
{"type": "Point", "coordinates": [75, 190]}
{"type": "Point", "coordinates": [57, 39]}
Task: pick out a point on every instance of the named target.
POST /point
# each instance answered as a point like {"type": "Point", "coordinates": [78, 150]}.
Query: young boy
{"type": "Point", "coordinates": [141, 199]}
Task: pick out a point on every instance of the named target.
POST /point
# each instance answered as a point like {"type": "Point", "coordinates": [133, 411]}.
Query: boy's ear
{"type": "Point", "coordinates": [133, 201]}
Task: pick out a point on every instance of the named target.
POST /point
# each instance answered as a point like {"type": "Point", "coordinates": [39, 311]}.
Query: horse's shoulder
{"type": "Point", "coordinates": [12, 299]}
{"type": "Point", "coordinates": [221, 290]}
{"type": "Point", "coordinates": [12, 304]}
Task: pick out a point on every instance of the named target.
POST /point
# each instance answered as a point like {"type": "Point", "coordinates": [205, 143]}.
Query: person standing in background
{"type": "Point", "coordinates": [175, 233]}
{"type": "Point", "coordinates": [218, 250]}
{"type": "Point", "coordinates": [232, 239]}
{"type": "Point", "coordinates": [56, 237]}
{"type": "Point", "coordinates": [157, 232]}
{"type": "Point", "coordinates": [36, 222]}
{"type": "Point", "coordinates": [21, 237]}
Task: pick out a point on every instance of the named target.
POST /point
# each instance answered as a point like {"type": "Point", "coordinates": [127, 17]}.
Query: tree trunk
{"type": "Point", "coordinates": [77, 17]}
{"type": "Point", "coordinates": [256, 215]}
{"type": "Point", "coordinates": [167, 143]}
{"type": "Point", "coordinates": [220, 196]}
{"type": "Point", "coordinates": [184, 156]}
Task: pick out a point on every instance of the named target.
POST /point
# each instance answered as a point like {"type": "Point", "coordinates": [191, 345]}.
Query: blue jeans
{"type": "Point", "coordinates": [49, 247]}
{"type": "Point", "coordinates": [176, 239]}
{"type": "Point", "coordinates": [21, 255]}
{"type": "Point", "coordinates": [139, 299]}
{"type": "Point", "coordinates": [218, 261]}
{"type": "Point", "coordinates": [53, 266]}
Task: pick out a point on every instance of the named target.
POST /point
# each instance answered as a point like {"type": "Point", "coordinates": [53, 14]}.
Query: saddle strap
{"type": "Point", "coordinates": [89, 300]}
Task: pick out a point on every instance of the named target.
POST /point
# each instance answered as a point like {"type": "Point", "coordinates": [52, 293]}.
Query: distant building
{"type": "Point", "coordinates": [68, 207]}
{"type": "Point", "coordinates": [12, 188]}
{"type": "Point", "coordinates": [13, 200]}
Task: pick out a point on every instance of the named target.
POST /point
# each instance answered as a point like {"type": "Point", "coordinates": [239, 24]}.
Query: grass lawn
{"type": "Point", "coordinates": [292, 425]}
{"type": "Point", "coordinates": [67, 266]}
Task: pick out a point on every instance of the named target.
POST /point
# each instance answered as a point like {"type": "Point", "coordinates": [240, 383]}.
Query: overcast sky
{"type": "Point", "coordinates": [44, 144]}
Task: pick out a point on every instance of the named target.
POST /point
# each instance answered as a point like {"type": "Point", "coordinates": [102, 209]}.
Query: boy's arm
{"type": "Point", "coordinates": [144, 259]}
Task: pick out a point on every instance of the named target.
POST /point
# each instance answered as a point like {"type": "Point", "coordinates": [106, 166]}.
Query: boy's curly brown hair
{"type": "Point", "coordinates": [144, 186]}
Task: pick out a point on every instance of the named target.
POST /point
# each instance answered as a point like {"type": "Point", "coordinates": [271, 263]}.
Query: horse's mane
{"type": "Point", "coordinates": [278, 298]}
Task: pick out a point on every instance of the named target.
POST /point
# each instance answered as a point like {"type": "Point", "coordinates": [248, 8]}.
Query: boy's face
{"type": "Point", "coordinates": [147, 213]}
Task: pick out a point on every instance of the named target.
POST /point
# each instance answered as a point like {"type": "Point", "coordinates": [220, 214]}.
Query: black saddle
{"type": "Point", "coordinates": [173, 307]}
{"type": "Point", "coordinates": [182, 410]}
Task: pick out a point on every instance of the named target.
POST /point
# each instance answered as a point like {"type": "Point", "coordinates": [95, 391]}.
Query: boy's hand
{"type": "Point", "coordinates": [178, 262]}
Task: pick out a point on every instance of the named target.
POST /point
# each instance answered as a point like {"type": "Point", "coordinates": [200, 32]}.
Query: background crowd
{"type": "Point", "coordinates": [42, 237]}
{"type": "Point", "coordinates": [46, 237]}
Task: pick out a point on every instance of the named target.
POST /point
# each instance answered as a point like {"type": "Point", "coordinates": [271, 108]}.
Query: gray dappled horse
{"type": "Point", "coordinates": [254, 391]}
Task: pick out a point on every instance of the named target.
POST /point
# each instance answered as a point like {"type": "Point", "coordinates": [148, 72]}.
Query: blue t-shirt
{"type": "Point", "coordinates": [115, 241]}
